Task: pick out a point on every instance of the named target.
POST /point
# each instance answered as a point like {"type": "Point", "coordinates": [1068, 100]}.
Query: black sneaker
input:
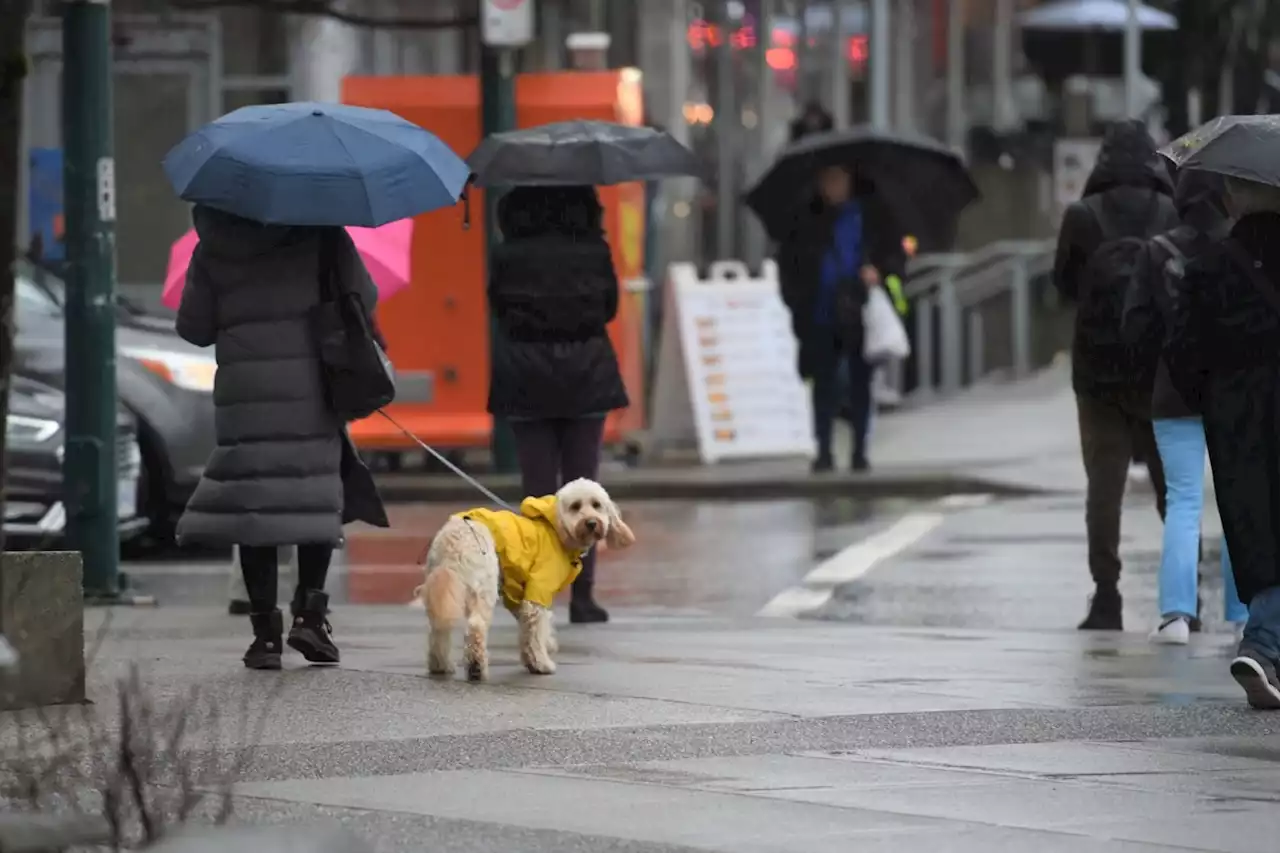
{"type": "Point", "coordinates": [587, 613]}
{"type": "Point", "coordinates": [266, 648]}
{"type": "Point", "coordinates": [311, 634]}
{"type": "Point", "coordinates": [1257, 675]}
{"type": "Point", "coordinates": [823, 465]}
{"type": "Point", "coordinates": [1105, 612]}
{"type": "Point", "coordinates": [861, 465]}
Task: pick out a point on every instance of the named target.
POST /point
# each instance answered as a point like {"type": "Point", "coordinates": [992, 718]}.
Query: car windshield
{"type": "Point", "coordinates": [41, 294]}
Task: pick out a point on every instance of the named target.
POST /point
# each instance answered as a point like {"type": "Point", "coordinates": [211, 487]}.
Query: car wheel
{"type": "Point", "coordinates": [153, 502]}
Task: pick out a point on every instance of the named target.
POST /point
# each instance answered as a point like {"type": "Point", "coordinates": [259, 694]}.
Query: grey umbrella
{"type": "Point", "coordinates": [596, 153]}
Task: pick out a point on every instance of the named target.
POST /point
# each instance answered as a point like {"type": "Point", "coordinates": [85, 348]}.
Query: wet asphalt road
{"type": "Point", "coordinates": [1015, 564]}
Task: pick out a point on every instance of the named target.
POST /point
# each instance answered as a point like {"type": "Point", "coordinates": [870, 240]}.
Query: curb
{"type": "Point", "coordinates": [402, 488]}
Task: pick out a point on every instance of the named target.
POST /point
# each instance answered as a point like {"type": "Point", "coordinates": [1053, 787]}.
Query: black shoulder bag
{"type": "Point", "coordinates": [1253, 271]}
{"type": "Point", "coordinates": [358, 376]}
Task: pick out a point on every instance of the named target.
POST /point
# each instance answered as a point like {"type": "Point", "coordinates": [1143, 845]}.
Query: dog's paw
{"type": "Point", "coordinates": [546, 666]}
{"type": "Point", "coordinates": [477, 670]}
{"type": "Point", "coordinates": [437, 666]}
{"type": "Point", "coordinates": [553, 643]}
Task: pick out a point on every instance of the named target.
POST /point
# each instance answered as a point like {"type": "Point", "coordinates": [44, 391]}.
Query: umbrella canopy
{"type": "Point", "coordinates": [923, 183]}
{"type": "Point", "coordinates": [1065, 16]}
{"type": "Point", "coordinates": [596, 153]}
{"type": "Point", "coordinates": [385, 252]}
{"type": "Point", "coordinates": [1245, 147]}
{"type": "Point", "coordinates": [316, 164]}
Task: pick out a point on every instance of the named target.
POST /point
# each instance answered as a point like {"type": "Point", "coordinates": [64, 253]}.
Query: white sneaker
{"type": "Point", "coordinates": [1174, 631]}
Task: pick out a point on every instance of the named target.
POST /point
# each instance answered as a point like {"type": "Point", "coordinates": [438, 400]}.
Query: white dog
{"type": "Point", "coordinates": [534, 555]}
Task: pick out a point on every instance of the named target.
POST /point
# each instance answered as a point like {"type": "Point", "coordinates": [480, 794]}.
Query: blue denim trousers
{"type": "Point", "coordinates": [1262, 631]}
{"type": "Point", "coordinates": [1182, 451]}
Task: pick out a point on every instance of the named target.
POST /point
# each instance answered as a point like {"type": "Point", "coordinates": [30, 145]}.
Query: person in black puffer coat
{"type": "Point", "coordinates": [1127, 199]}
{"type": "Point", "coordinates": [555, 376]}
{"type": "Point", "coordinates": [285, 471]}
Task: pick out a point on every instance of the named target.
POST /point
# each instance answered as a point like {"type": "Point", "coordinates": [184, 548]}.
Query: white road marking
{"type": "Point", "coordinates": [965, 501]}
{"type": "Point", "coordinates": [852, 563]}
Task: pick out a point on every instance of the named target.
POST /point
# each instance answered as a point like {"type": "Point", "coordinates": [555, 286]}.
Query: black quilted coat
{"type": "Point", "coordinates": [284, 471]}
{"type": "Point", "coordinates": [1223, 351]}
{"type": "Point", "coordinates": [553, 290]}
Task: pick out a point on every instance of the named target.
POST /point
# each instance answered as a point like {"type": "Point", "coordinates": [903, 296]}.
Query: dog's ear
{"type": "Point", "coordinates": [619, 534]}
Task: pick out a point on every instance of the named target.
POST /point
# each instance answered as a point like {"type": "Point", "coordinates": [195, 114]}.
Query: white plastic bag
{"type": "Point", "coordinates": [886, 337]}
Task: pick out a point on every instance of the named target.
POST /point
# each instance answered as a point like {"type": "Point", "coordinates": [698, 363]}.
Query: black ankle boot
{"type": "Point", "coordinates": [267, 631]}
{"type": "Point", "coordinates": [1105, 611]}
{"type": "Point", "coordinates": [311, 634]}
{"type": "Point", "coordinates": [585, 611]}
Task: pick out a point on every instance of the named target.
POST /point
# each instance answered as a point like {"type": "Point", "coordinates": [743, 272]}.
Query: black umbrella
{"type": "Point", "coordinates": [923, 183]}
{"type": "Point", "coordinates": [1244, 147]}
{"type": "Point", "coordinates": [597, 153]}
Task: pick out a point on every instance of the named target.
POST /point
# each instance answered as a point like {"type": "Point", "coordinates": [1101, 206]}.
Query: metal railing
{"type": "Point", "coordinates": [958, 301]}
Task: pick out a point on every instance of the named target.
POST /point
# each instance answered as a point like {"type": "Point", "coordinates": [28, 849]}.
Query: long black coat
{"type": "Point", "coordinates": [284, 471]}
{"type": "Point", "coordinates": [799, 259]}
{"type": "Point", "coordinates": [1224, 356]}
{"type": "Point", "coordinates": [1130, 187]}
{"type": "Point", "coordinates": [553, 290]}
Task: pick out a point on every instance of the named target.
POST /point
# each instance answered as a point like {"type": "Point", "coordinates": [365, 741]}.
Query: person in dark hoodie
{"type": "Point", "coordinates": [1224, 358]}
{"type": "Point", "coordinates": [284, 472]}
{"type": "Point", "coordinates": [812, 119]}
{"type": "Point", "coordinates": [1127, 199]}
{"type": "Point", "coordinates": [555, 376]}
{"type": "Point", "coordinates": [1177, 424]}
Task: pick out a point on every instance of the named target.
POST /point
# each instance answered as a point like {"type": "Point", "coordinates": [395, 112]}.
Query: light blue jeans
{"type": "Point", "coordinates": [1181, 443]}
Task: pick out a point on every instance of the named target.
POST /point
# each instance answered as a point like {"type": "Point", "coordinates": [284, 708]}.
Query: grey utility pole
{"type": "Point", "coordinates": [957, 121]}
{"type": "Point", "coordinates": [728, 124]}
{"type": "Point", "coordinates": [1132, 61]}
{"type": "Point", "coordinates": [840, 106]}
{"type": "Point", "coordinates": [89, 465]}
{"type": "Point", "coordinates": [881, 49]}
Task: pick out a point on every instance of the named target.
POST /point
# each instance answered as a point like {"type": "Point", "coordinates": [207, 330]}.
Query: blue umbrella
{"type": "Point", "coordinates": [316, 164]}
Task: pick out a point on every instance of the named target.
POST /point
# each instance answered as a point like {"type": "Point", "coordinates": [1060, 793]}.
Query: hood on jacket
{"type": "Point", "coordinates": [539, 509]}
{"type": "Point", "coordinates": [536, 211]}
{"type": "Point", "coordinates": [230, 236]}
{"type": "Point", "coordinates": [1129, 158]}
{"type": "Point", "coordinates": [1200, 198]}
{"type": "Point", "coordinates": [814, 119]}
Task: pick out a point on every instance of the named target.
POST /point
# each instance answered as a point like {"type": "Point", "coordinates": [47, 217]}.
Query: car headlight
{"type": "Point", "coordinates": [190, 372]}
{"type": "Point", "coordinates": [20, 428]}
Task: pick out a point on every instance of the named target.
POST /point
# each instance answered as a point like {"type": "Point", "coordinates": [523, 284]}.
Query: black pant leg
{"type": "Point", "coordinates": [260, 566]}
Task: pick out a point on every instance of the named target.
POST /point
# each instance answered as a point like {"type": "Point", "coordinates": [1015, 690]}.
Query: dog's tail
{"type": "Point", "coordinates": [443, 595]}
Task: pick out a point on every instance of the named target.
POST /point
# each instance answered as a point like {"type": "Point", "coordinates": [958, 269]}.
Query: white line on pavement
{"type": "Point", "coordinates": [852, 563]}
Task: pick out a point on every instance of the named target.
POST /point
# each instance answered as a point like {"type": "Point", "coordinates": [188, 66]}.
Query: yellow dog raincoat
{"type": "Point", "coordinates": [535, 563]}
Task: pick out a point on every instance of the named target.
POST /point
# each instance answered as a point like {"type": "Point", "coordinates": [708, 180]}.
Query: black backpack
{"type": "Point", "coordinates": [1116, 361]}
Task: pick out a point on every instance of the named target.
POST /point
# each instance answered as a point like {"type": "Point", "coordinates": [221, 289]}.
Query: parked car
{"type": "Point", "coordinates": [35, 431]}
{"type": "Point", "coordinates": [162, 380]}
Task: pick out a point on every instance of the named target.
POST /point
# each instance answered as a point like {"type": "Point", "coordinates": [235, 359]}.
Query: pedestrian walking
{"type": "Point", "coordinates": [555, 376]}
{"type": "Point", "coordinates": [812, 119]}
{"type": "Point", "coordinates": [1224, 356]}
{"type": "Point", "coordinates": [840, 247]}
{"type": "Point", "coordinates": [1101, 245]}
{"type": "Point", "coordinates": [284, 472]}
{"type": "Point", "coordinates": [1177, 424]}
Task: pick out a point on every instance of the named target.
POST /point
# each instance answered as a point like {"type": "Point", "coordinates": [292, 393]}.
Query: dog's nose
{"type": "Point", "coordinates": [592, 524]}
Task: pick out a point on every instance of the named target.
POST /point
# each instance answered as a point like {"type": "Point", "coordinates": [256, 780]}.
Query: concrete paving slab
{"type": "Point", "coordinates": [1245, 829]}
{"type": "Point", "coordinates": [1073, 759]}
{"type": "Point", "coordinates": [642, 812]}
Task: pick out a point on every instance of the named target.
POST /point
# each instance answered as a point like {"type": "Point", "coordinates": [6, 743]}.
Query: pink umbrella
{"type": "Point", "coordinates": [385, 251]}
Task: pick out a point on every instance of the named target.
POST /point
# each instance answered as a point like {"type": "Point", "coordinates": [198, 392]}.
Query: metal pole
{"type": "Point", "coordinates": [727, 126]}
{"type": "Point", "coordinates": [498, 114]}
{"type": "Point", "coordinates": [840, 105]}
{"type": "Point", "coordinates": [881, 63]}
{"type": "Point", "coordinates": [1002, 68]}
{"type": "Point", "coordinates": [756, 240]}
{"type": "Point", "coordinates": [1132, 61]}
{"type": "Point", "coordinates": [804, 60]}
{"type": "Point", "coordinates": [89, 464]}
{"type": "Point", "coordinates": [956, 121]}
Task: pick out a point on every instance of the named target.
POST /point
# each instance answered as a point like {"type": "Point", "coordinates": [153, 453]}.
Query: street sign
{"type": "Point", "coordinates": [506, 23]}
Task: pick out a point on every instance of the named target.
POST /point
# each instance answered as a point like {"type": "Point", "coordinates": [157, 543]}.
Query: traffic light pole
{"type": "Point", "coordinates": [89, 466]}
{"type": "Point", "coordinates": [498, 114]}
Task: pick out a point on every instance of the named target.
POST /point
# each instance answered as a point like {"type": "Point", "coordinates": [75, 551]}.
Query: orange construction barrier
{"type": "Point", "coordinates": [437, 329]}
